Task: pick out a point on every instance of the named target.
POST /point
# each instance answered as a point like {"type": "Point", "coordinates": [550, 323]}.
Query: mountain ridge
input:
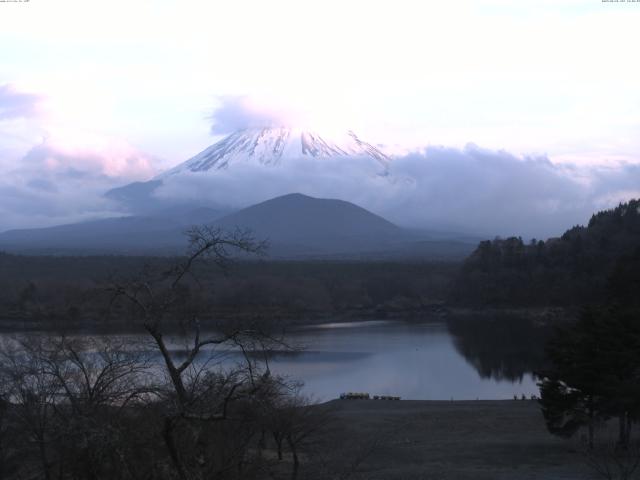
{"type": "Point", "coordinates": [296, 226]}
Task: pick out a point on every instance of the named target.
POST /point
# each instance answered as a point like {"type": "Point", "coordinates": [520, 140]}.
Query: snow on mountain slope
{"type": "Point", "coordinates": [271, 145]}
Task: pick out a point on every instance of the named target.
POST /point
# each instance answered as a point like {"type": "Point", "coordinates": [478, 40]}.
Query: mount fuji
{"type": "Point", "coordinates": [271, 146]}
{"type": "Point", "coordinates": [296, 225]}
{"type": "Point", "coordinates": [259, 147]}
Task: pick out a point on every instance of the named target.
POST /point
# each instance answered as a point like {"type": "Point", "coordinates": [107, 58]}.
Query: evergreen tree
{"type": "Point", "coordinates": [594, 374]}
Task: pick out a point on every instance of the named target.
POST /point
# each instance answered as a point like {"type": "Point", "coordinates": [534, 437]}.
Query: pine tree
{"type": "Point", "coordinates": [594, 374]}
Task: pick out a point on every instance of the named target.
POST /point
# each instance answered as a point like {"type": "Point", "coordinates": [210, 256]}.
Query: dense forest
{"type": "Point", "coordinates": [47, 290]}
{"type": "Point", "coordinates": [575, 269]}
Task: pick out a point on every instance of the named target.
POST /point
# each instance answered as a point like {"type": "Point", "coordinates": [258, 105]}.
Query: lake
{"type": "Point", "coordinates": [413, 361]}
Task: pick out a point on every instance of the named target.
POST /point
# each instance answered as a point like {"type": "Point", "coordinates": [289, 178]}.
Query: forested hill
{"type": "Point", "coordinates": [573, 269]}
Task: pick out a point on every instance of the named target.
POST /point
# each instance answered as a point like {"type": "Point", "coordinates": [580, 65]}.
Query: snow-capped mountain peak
{"type": "Point", "coordinates": [272, 145]}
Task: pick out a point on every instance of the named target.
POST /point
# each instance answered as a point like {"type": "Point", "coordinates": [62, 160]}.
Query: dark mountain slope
{"type": "Point", "coordinates": [295, 225]}
{"type": "Point", "coordinates": [134, 234]}
{"type": "Point", "coordinates": [330, 225]}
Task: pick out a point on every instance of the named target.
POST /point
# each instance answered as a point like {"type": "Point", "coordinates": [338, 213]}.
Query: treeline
{"type": "Point", "coordinates": [37, 291]}
{"type": "Point", "coordinates": [574, 269]}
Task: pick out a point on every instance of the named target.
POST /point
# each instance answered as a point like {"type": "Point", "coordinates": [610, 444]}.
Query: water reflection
{"type": "Point", "coordinates": [464, 360]}
{"type": "Point", "coordinates": [501, 347]}
{"type": "Point", "coordinates": [392, 358]}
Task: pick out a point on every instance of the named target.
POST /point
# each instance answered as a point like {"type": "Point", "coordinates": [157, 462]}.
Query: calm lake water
{"type": "Point", "coordinates": [418, 362]}
{"type": "Point", "coordinates": [413, 361]}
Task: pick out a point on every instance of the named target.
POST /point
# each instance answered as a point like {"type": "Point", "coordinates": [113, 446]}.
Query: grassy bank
{"type": "Point", "coordinates": [451, 440]}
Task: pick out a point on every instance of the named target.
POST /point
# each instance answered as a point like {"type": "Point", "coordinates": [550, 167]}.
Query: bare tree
{"type": "Point", "coordinates": [65, 399]}
{"type": "Point", "coordinates": [192, 401]}
{"type": "Point", "coordinates": [612, 462]}
{"type": "Point", "coordinates": [159, 300]}
{"type": "Point", "coordinates": [197, 395]}
{"type": "Point", "coordinates": [302, 421]}
{"type": "Point", "coordinates": [32, 395]}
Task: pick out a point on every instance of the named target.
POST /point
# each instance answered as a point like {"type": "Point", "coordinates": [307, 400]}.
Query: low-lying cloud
{"type": "Point", "coordinates": [467, 190]}
{"type": "Point", "coordinates": [52, 172]}
{"type": "Point", "coordinates": [95, 157]}
{"type": "Point", "coordinates": [491, 192]}
{"type": "Point", "coordinates": [53, 184]}
{"type": "Point", "coordinates": [16, 104]}
{"type": "Point", "coordinates": [472, 190]}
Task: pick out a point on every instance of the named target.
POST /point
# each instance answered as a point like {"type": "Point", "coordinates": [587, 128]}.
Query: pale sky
{"type": "Point", "coordinates": [132, 85]}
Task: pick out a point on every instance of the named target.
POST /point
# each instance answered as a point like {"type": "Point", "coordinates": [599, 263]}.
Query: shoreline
{"type": "Point", "coordinates": [434, 313]}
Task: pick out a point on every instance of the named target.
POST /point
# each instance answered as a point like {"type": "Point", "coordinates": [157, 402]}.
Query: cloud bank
{"type": "Point", "coordinates": [15, 104]}
{"type": "Point", "coordinates": [51, 173]}
{"type": "Point", "coordinates": [491, 192]}
{"type": "Point", "coordinates": [470, 190]}
{"type": "Point", "coordinates": [55, 183]}
{"type": "Point", "coordinates": [62, 178]}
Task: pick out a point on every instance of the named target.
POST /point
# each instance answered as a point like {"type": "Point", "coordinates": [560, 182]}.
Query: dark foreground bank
{"type": "Point", "coordinates": [449, 440]}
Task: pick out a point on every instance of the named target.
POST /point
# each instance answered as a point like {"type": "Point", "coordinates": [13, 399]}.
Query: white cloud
{"type": "Point", "coordinates": [55, 172]}
{"type": "Point", "coordinates": [238, 112]}
{"type": "Point", "coordinates": [90, 155]}
{"type": "Point", "coordinates": [61, 180]}
{"type": "Point", "coordinates": [16, 104]}
{"type": "Point", "coordinates": [468, 190]}
{"type": "Point", "coordinates": [550, 76]}
{"type": "Point", "coordinates": [556, 77]}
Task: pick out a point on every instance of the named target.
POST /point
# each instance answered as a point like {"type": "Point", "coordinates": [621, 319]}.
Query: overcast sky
{"type": "Point", "coordinates": [94, 94]}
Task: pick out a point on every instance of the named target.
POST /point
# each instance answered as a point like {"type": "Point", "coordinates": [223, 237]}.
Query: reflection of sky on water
{"type": "Point", "coordinates": [413, 361]}
{"type": "Point", "coordinates": [386, 358]}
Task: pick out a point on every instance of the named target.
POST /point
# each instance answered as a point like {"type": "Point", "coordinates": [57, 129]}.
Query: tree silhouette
{"type": "Point", "coordinates": [594, 373]}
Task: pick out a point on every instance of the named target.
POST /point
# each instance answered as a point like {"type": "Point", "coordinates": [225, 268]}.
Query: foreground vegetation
{"type": "Point", "coordinates": [100, 409]}
{"type": "Point", "coordinates": [95, 408]}
{"type": "Point", "coordinates": [72, 407]}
